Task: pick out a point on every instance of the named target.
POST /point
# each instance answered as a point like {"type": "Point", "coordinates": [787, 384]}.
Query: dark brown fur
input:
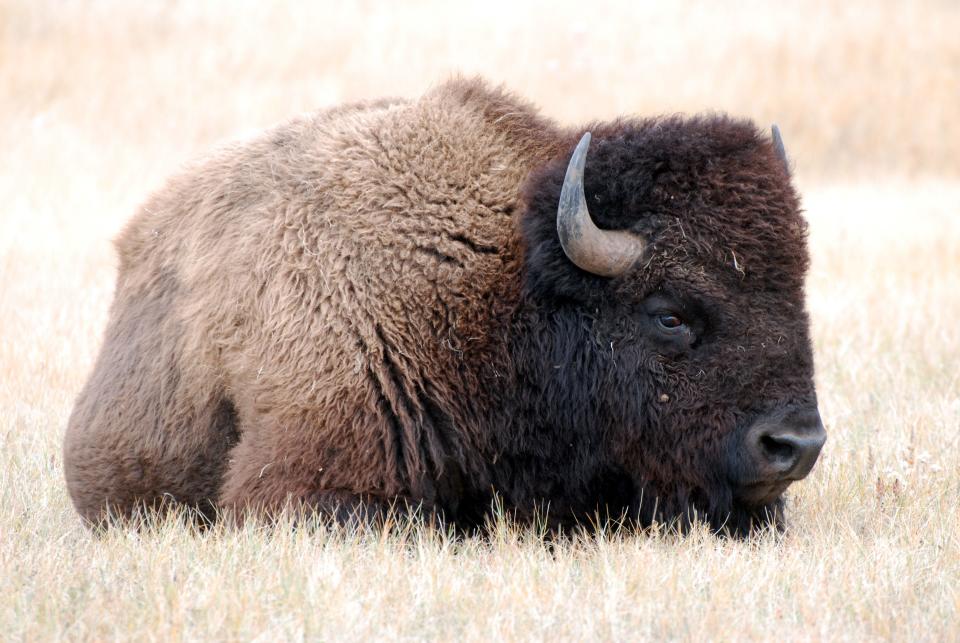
{"type": "Point", "coordinates": [369, 304]}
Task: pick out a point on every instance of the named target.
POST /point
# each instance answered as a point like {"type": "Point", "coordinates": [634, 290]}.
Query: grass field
{"type": "Point", "coordinates": [101, 100]}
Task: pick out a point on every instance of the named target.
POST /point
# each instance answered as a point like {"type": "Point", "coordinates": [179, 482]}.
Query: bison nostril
{"type": "Point", "coordinates": [778, 450]}
{"type": "Point", "coordinates": [784, 452]}
{"type": "Point", "coordinates": [775, 450]}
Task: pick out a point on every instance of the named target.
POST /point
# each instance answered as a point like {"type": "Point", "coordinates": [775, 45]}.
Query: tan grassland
{"type": "Point", "coordinates": [99, 101]}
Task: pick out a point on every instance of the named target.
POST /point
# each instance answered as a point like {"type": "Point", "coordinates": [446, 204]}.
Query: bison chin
{"type": "Point", "coordinates": [719, 507]}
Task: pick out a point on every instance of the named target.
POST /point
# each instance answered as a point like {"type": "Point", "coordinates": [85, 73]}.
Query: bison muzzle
{"type": "Point", "coordinates": [434, 302]}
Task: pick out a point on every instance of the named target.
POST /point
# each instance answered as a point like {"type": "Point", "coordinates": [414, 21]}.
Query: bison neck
{"type": "Point", "coordinates": [541, 414]}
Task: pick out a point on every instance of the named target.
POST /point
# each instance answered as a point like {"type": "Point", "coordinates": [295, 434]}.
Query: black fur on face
{"type": "Point", "coordinates": [643, 384]}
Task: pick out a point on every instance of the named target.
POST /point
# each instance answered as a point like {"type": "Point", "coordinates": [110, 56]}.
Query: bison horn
{"type": "Point", "coordinates": [607, 253]}
{"type": "Point", "coordinates": [779, 148]}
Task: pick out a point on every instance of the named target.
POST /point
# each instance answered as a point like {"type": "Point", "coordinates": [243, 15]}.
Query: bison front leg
{"type": "Point", "coordinates": [301, 465]}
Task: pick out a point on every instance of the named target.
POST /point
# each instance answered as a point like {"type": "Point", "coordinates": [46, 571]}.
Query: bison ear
{"type": "Point", "coordinates": [779, 148]}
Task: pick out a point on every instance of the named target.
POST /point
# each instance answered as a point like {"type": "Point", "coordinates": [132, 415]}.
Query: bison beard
{"type": "Point", "coordinates": [373, 304]}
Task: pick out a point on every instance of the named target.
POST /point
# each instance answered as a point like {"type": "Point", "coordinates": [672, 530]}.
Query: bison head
{"type": "Point", "coordinates": [673, 341]}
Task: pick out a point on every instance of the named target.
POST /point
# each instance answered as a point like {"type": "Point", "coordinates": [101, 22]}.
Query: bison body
{"type": "Point", "coordinates": [373, 304]}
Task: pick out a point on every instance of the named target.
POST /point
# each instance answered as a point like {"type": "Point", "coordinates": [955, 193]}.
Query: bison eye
{"type": "Point", "coordinates": [670, 323]}
{"type": "Point", "coordinates": [673, 324]}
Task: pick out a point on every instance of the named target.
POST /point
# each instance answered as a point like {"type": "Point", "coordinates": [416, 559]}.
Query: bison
{"type": "Point", "coordinates": [439, 301]}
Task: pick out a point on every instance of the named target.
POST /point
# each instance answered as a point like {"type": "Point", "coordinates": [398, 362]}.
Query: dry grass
{"type": "Point", "coordinates": [100, 101]}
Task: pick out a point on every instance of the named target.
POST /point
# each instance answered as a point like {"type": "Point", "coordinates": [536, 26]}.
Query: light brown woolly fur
{"type": "Point", "coordinates": [275, 296]}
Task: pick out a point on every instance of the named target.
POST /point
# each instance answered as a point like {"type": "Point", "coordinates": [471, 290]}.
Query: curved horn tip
{"type": "Point", "coordinates": [584, 142]}
{"type": "Point", "coordinates": [778, 146]}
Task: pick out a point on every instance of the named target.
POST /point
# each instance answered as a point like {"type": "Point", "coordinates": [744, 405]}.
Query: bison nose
{"type": "Point", "coordinates": [786, 450]}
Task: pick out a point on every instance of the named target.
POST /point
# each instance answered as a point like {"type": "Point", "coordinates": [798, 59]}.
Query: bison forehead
{"type": "Point", "coordinates": [709, 190]}
{"type": "Point", "coordinates": [754, 248]}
